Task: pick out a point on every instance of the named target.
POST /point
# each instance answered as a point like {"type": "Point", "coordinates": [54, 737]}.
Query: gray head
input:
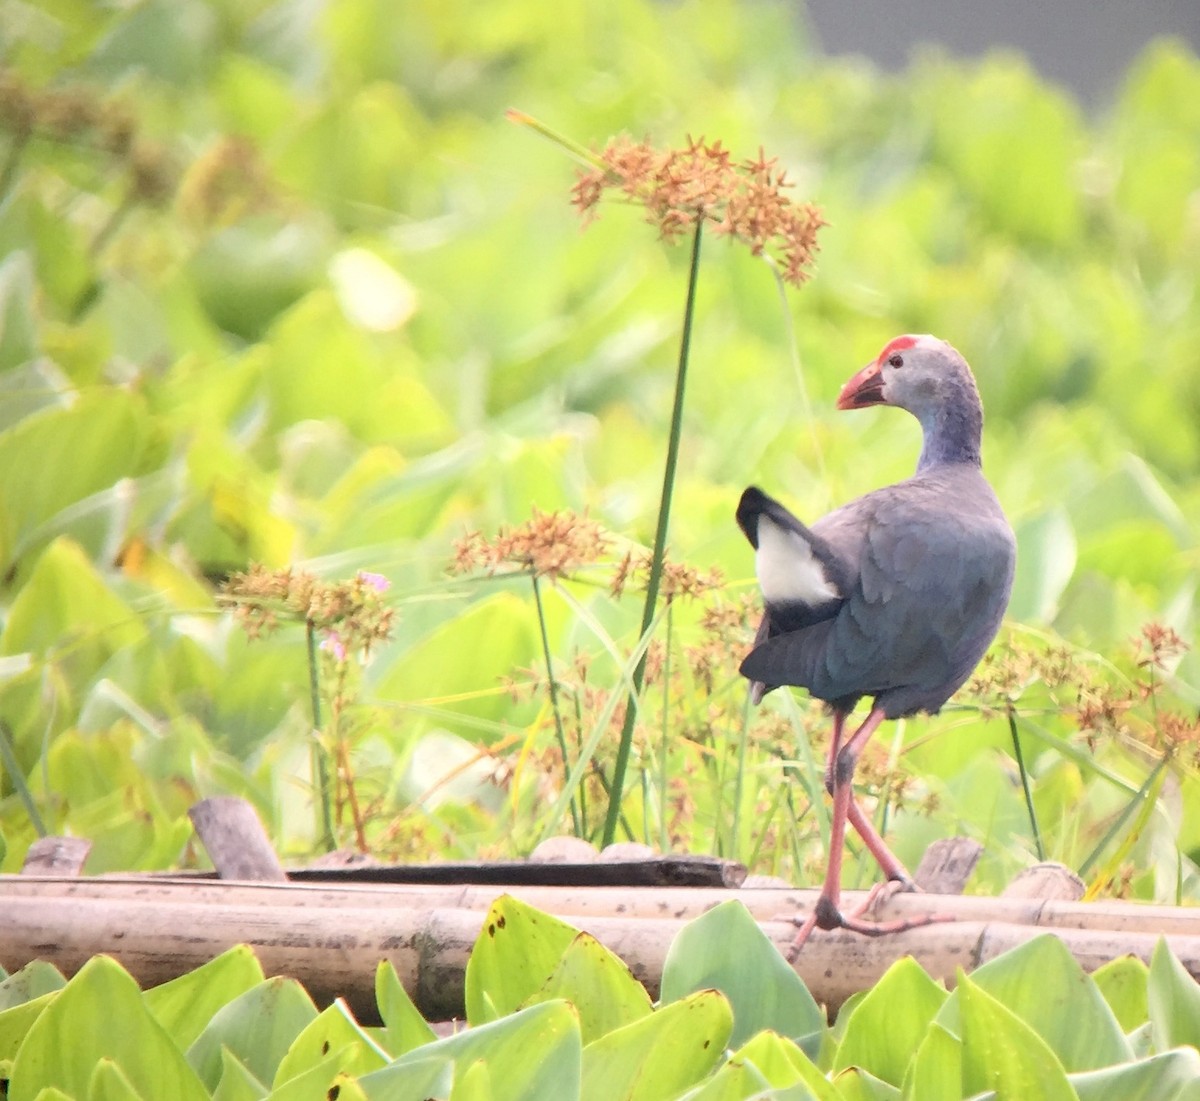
{"type": "Point", "coordinates": [932, 381]}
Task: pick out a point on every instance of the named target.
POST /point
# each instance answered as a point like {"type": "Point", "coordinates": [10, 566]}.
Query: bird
{"type": "Point", "coordinates": [894, 597]}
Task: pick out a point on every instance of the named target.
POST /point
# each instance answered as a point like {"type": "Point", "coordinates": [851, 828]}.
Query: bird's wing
{"type": "Point", "coordinates": [932, 580]}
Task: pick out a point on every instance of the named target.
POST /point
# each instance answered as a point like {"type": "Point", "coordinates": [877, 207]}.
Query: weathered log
{"type": "Point", "coordinates": [235, 839]}
{"type": "Point", "coordinates": [334, 949]}
{"type": "Point", "coordinates": [766, 904]}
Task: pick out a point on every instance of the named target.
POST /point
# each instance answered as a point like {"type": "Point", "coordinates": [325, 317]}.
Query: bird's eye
{"type": "Point", "coordinates": [896, 360]}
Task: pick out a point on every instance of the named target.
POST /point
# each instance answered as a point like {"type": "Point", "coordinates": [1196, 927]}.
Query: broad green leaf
{"type": "Point", "coordinates": [1044, 568]}
{"type": "Point", "coordinates": [420, 1080]}
{"type": "Point", "coordinates": [319, 1075]}
{"type": "Point", "coordinates": [935, 1073]}
{"type": "Point", "coordinates": [1123, 982]}
{"type": "Point", "coordinates": [404, 1027]}
{"type": "Point", "coordinates": [517, 950]}
{"type": "Point", "coordinates": [858, 1085]}
{"type": "Point", "coordinates": [1001, 1052]}
{"type": "Point", "coordinates": [1173, 1000]}
{"type": "Point", "coordinates": [247, 274]}
{"type": "Point", "coordinates": [736, 1080]}
{"type": "Point", "coordinates": [472, 1083]}
{"type": "Point", "coordinates": [334, 1029]}
{"type": "Point", "coordinates": [434, 668]}
{"type": "Point", "coordinates": [258, 1027]}
{"type": "Point", "coordinates": [599, 985]}
{"type": "Point", "coordinates": [784, 1064]}
{"type": "Point", "coordinates": [15, 1023]}
{"type": "Point", "coordinates": [109, 1083]}
{"type": "Point", "coordinates": [81, 449]}
{"type": "Point", "coordinates": [762, 989]}
{"type": "Point", "coordinates": [881, 1040]}
{"type": "Point", "coordinates": [1042, 983]}
{"type": "Point", "coordinates": [102, 1010]}
{"type": "Point", "coordinates": [66, 600]}
{"type": "Point", "coordinates": [35, 979]}
{"type": "Point", "coordinates": [531, 1055]}
{"type": "Point", "coordinates": [1170, 1076]}
{"type": "Point", "coordinates": [662, 1055]}
{"type": "Point", "coordinates": [236, 1082]}
{"type": "Point", "coordinates": [185, 1005]}
{"type": "Point", "coordinates": [18, 330]}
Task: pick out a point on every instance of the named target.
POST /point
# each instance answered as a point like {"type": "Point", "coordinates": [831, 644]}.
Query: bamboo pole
{"type": "Point", "coordinates": [333, 948]}
{"type": "Point", "coordinates": [766, 904]}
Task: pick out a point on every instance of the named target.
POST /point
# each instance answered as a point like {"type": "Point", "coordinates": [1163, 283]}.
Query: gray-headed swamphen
{"type": "Point", "coordinates": [894, 596]}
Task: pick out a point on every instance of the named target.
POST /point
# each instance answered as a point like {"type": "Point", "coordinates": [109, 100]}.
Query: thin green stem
{"type": "Point", "coordinates": [1020, 757]}
{"type": "Point", "coordinates": [580, 152]}
{"type": "Point", "coordinates": [1138, 801]}
{"type": "Point", "coordinates": [663, 742]}
{"type": "Point", "coordinates": [8, 756]}
{"type": "Point", "coordinates": [660, 540]}
{"type": "Point", "coordinates": [12, 162]}
{"type": "Point", "coordinates": [559, 734]}
{"type": "Point", "coordinates": [319, 766]}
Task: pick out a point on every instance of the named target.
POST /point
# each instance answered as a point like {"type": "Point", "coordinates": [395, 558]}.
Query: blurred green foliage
{"type": "Point", "coordinates": [279, 283]}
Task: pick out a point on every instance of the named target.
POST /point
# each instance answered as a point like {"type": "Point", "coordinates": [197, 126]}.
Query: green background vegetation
{"type": "Point", "coordinates": [279, 283]}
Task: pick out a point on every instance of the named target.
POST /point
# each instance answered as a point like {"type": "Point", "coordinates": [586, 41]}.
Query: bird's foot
{"type": "Point", "coordinates": [826, 915]}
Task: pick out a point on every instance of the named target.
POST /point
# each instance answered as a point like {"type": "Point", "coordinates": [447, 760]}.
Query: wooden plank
{"type": "Point", "coordinates": [658, 871]}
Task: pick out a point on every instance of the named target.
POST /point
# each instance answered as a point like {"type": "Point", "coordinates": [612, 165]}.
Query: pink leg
{"type": "Point", "coordinates": [839, 778]}
{"type": "Point", "coordinates": [892, 868]}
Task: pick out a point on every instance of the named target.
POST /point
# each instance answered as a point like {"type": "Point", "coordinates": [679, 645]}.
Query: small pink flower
{"type": "Point", "coordinates": [332, 643]}
{"type": "Point", "coordinates": [375, 581]}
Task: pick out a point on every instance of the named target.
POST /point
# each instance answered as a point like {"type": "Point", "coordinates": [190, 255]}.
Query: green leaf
{"type": "Point", "coordinates": [102, 1011]}
{"type": "Point", "coordinates": [109, 1083]}
{"type": "Point", "coordinates": [35, 979]}
{"type": "Point", "coordinates": [434, 668]}
{"type": "Point", "coordinates": [320, 1075]}
{"type": "Point", "coordinates": [1173, 1000]}
{"type": "Point", "coordinates": [662, 1055]}
{"type": "Point", "coordinates": [1001, 1052]}
{"type": "Point", "coordinates": [334, 1029]}
{"type": "Point", "coordinates": [1044, 568]}
{"type": "Point", "coordinates": [517, 950]}
{"type": "Point", "coordinates": [236, 1082]}
{"type": "Point", "coordinates": [404, 1027]}
{"type": "Point", "coordinates": [421, 1079]}
{"type": "Point", "coordinates": [784, 1064]}
{"type": "Point", "coordinates": [81, 449]}
{"type": "Point", "coordinates": [857, 1085]}
{"type": "Point", "coordinates": [1170, 1076]}
{"type": "Point", "coordinates": [258, 1027]}
{"type": "Point", "coordinates": [736, 1080]}
{"type": "Point", "coordinates": [1123, 982]}
{"type": "Point", "coordinates": [18, 330]}
{"type": "Point", "coordinates": [185, 1005]}
{"type": "Point", "coordinates": [599, 985]}
{"type": "Point", "coordinates": [1042, 983]}
{"type": "Point", "coordinates": [531, 1055]}
{"type": "Point", "coordinates": [762, 989]}
{"type": "Point", "coordinates": [935, 1073]}
{"type": "Point", "coordinates": [881, 1040]}
{"type": "Point", "coordinates": [15, 1023]}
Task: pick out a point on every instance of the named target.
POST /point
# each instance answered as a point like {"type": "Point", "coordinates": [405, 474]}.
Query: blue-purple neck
{"type": "Point", "coordinates": [953, 432]}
